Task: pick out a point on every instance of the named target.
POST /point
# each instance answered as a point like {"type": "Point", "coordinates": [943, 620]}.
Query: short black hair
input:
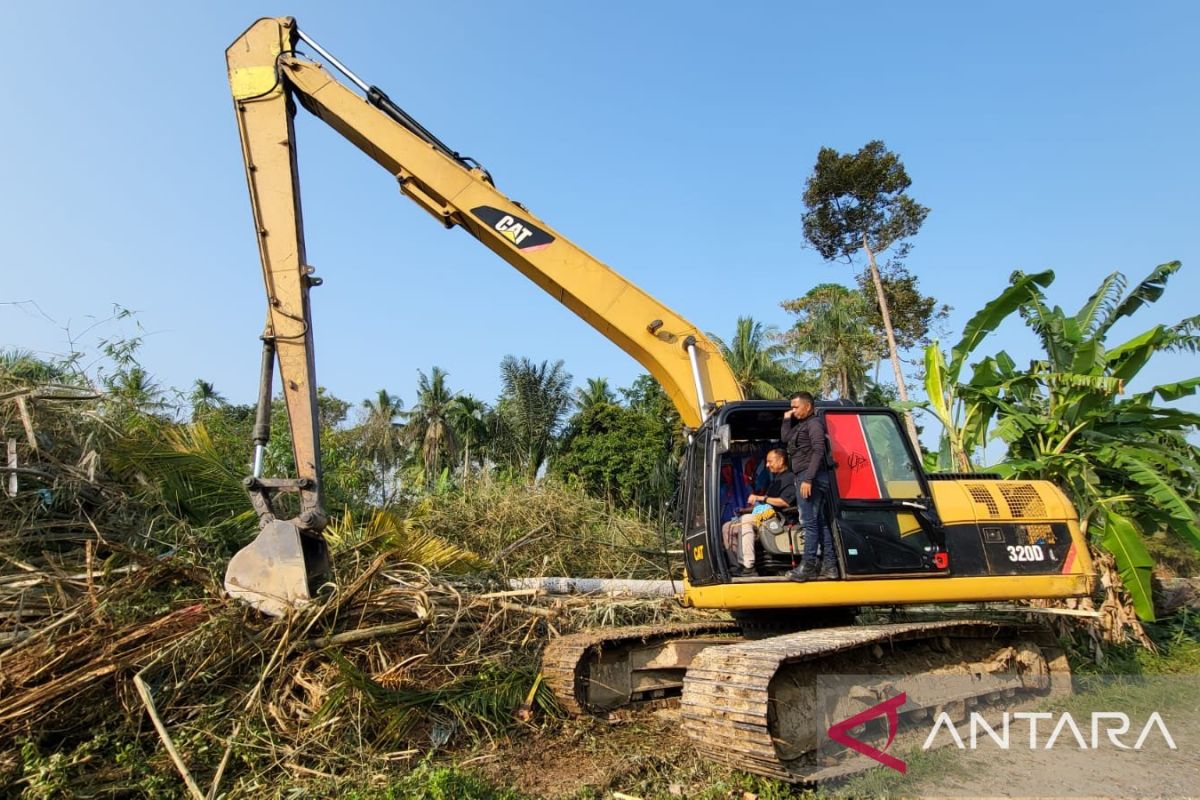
{"type": "Point", "coordinates": [780, 451]}
{"type": "Point", "coordinates": [806, 397]}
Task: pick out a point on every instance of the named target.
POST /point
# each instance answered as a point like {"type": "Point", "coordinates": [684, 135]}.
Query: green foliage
{"type": "Point", "coordinates": [755, 356]}
{"type": "Point", "coordinates": [619, 453]}
{"type": "Point", "coordinates": [855, 195]}
{"type": "Point", "coordinates": [479, 703]}
{"type": "Point", "coordinates": [833, 328]}
{"type": "Point", "coordinates": [912, 313]}
{"type": "Point", "coordinates": [427, 425]}
{"type": "Point", "coordinates": [1126, 461]}
{"type": "Point", "coordinates": [388, 531]}
{"type": "Point", "coordinates": [471, 421]}
{"type": "Point", "coordinates": [428, 782]}
{"type": "Point", "coordinates": [532, 408]}
{"type": "Point", "coordinates": [183, 468]}
{"type": "Point", "coordinates": [543, 528]}
{"type": "Point", "coordinates": [348, 472]}
{"type": "Point", "coordinates": [595, 392]}
{"type": "Point", "coordinates": [381, 434]}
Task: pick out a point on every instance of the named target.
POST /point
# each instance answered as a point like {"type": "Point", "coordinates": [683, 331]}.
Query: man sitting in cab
{"type": "Point", "coordinates": [740, 532]}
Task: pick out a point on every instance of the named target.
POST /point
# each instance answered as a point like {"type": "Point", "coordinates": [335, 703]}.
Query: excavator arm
{"type": "Point", "coordinates": [267, 77]}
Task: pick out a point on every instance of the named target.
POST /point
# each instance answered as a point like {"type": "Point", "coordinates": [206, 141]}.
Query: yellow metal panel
{"type": "Point", "coordinates": [251, 81]}
{"type": "Point", "coordinates": [897, 591]}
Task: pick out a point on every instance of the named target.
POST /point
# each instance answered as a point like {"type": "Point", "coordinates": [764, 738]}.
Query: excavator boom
{"type": "Point", "coordinates": [268, 77]}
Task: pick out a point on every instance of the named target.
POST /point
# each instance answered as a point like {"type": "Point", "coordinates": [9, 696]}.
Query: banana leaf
{"type": "Point", "coordinates": [1162, 493]}
{"type": "Point", "coordinates": [1122, 538]}
{"type": "Point", "coordinates": [1148, 291]}
{"type": "Point", "coordinates": [1102, 303]}
{"type": "Point", "coordinates": [991, 315]}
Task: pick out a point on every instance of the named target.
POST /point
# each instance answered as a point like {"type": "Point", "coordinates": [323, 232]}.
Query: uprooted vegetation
{"type": "Point", "coordinates": [113, 624]}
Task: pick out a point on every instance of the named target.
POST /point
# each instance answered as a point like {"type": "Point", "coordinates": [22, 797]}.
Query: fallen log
{"type": "Point", "coordinates": [602, 586]}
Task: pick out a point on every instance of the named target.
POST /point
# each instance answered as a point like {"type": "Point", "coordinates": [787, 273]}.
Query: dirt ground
{"type": "Point", "coordinates": [1068, 771]}
{"type": "Point", "coordinates": [646, 755]}
{"type": "Point", "coordinates": [646, 748]}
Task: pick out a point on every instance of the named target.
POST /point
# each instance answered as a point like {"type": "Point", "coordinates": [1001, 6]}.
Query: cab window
{"type": "Point", "coordinates": [872, 462]}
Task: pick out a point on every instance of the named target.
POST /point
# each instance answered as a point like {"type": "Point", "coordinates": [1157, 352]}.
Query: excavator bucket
{"type": "Point", "coordinates": [275, 573]}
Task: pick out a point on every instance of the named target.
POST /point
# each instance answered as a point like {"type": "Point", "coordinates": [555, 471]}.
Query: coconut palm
{"type": "Point", "coordinates": [834, 329]}
{"type": "Point", "coordinates": [427, 423]}
{"type": "Point", "coordinates": [381, 433]}
{"type": "Point", "coordinates": [134, 390]}
{"type": "Point", "coordinates": [594, 393]}
{"type": "Point", "coordinates": [204, 398]}
{"type": "Point", "coordinates": [533, 404]}
{"type": "Point", "coordinates": [755, 357]}
{"type": "Point", "coordinates": [469, 419]}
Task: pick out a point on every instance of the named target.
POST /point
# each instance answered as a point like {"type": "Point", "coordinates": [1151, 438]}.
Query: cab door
{"type": "Point", "coordinates": [886, 522]}
{"type": "Point", "coordinates": [696, 495]}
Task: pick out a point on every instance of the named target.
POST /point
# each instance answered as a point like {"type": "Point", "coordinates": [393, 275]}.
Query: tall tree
{"type": "Point", "coordinates": [427, 423]}
{"type": "Point", "coordinates": [204, 397]}
{"type": "Point", "coordinates": [754, 355]}
{"type": "Point", "coordinates": [618, 453]}
{"type": "Point", "coordinates": [856, 202]}
{"type": "Point", "coordinates": [134, 389]}
{"type": "Point", "coordinates": [469, 419]}
{"type": "Point", "coordinates": [534, 402]}
{"type": "Point", "coordinates": [382, 435]}
{"type": "Point", "coordinates": [834, 327]}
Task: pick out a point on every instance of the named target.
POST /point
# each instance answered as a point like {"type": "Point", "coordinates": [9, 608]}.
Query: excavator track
{"type": "Point", "coordinates": [755, 705]}
{"type": "Point", "coordinates": [596, 672]}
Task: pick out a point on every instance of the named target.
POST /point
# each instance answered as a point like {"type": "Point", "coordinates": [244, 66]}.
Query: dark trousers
{"type": "Point", "coordinates": [818, 536]}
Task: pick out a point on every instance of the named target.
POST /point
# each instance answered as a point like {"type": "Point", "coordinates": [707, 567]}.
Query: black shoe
{"type": "Point", "coordinates": [803, 573]}
{"type": "Point", "coordinates": [738, 571]}
{"type": "Point", "coordinates": [829, 572]}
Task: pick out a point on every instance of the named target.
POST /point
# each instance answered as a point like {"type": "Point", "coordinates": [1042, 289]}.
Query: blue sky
{"type": "Point", "coordinates": [669, 139]}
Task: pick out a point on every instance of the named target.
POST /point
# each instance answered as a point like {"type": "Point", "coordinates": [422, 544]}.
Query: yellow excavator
{"type": "Point", "coordinates": [748, 690]}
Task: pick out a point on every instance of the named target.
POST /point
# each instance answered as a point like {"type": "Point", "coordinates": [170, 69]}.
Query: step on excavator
{"type": "Point", "coordinates": [752, 692]}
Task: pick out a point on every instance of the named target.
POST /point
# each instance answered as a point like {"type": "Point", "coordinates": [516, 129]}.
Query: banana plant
{"type": "Point", "coordinates": [1125, 459]}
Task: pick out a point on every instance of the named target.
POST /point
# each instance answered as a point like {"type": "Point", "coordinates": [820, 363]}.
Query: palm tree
{"type": "Point", "coordinates": [382, 435]}
{"type": "Point", "coordinates": [205, 398]}
{"type": "Point", "coordinates": [25, 367]}
{"type": "Point", "coordinates": [427, 424]}
{"type": "Point", "coordinates": [469, 421]}
{"type": "Point", "coordinates": [755, 359]}
{"type": "Point", "coordinates": [596, 392]}
{"type": "Point", "coordinates": [533, 403]}
{"type": "Point", "coordinates": [135, 389]}
{"type": "Point", "coordinates": [834, 328]}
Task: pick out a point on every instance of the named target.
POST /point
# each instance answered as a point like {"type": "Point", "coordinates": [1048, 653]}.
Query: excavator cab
{"type": "Point", "coordinates": [889, 518]}
{"type": "Point", "coordinates": [879, 504]}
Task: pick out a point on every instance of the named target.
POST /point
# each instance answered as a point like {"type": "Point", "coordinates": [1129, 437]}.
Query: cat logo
{"type": "Point", "coordinates": [523, 234]}
{"type": "Point", "coordinates": [698, 553]}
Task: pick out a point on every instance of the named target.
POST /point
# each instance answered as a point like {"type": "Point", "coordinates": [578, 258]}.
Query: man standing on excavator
{"type": "Point", "coordinates": [804, 435]}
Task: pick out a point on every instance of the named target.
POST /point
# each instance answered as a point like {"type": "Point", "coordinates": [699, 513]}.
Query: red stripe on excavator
{"type": "Point", "coordinates": [1069, 561]}
{"type": "Point", "coordinates": [855, 471]}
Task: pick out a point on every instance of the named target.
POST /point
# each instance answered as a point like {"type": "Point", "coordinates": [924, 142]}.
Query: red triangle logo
{"type": "Point", "coordinates": [840, 732]}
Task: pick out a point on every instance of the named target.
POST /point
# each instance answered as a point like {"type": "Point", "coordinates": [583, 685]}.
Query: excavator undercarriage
{"type": "Point", "coordinates": [766, 706]}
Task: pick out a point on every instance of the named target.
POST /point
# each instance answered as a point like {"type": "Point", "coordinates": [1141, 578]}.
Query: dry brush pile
{"type": "Point", "coordinates": [125, 672]}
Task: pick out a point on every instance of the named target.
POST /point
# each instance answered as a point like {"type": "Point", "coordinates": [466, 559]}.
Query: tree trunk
{"type": "Point", "coordinates": [891, 340]}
